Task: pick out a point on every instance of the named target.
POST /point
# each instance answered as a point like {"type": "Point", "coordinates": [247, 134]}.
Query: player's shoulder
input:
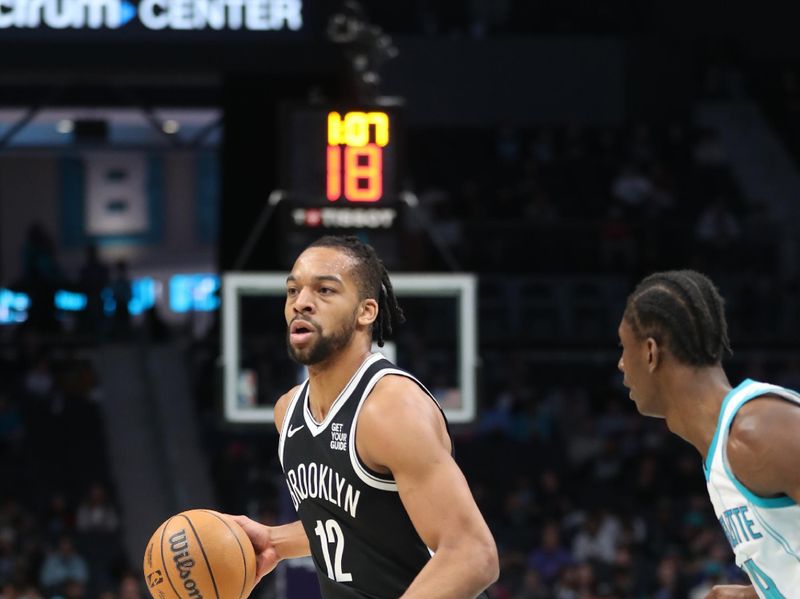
{"type": "Point", "coordinates": [759, 419]}
{"type": "Point", "coordinates": [395, 392]}
{"type": "Point", "coordinates": [399, 414]}
{"type": "Point", "coordinates": [398, 402]}
{"type": "Point", "coordinates": [762, 436]}
{"type": "Point", "coordinates": [283, 404]}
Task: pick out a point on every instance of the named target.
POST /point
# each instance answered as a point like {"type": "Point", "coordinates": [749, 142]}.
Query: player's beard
{"type": "Point", "coordinates": [323, 347]}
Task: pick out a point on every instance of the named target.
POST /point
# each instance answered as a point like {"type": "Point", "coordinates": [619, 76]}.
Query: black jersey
{"type": "Point", "coordinates": [362, 541]}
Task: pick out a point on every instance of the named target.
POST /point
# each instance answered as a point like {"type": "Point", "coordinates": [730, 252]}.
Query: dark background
{"type": "Point", "coordinates": [559, 150]}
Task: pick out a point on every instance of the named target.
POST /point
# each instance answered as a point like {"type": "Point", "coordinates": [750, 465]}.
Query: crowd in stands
{"type": "Point", "coordinates": [776, 84]}
{"type": "Point", "coordinates": [621, 199]}
{"type": "Point", "coordinates": [59, 523]}
{"type": "Point", "coordinates": [107, 289]}
{"type": "Point", "coordinates": [586, 498]}
{"type": "Point", "coordinates": [492, 18]}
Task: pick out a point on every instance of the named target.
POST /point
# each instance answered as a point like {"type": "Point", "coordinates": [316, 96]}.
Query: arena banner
{"type": "Point", "coordinates": [133, 19]}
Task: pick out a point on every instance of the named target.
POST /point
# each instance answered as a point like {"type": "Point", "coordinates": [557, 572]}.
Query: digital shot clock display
{"type": "Point", "coordinates": [341, 156]}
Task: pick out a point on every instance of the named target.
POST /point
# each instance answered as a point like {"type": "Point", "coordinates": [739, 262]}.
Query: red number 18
{"type": "Point", "coordinates": [363, 173]}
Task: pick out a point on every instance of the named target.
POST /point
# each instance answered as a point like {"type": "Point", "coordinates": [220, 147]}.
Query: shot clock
{"type": "Point", "coordinates": [354, 167]}
{"type": "Point", "coordinates": [341, 156]}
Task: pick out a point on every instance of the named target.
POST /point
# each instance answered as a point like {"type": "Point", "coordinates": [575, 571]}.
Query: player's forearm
{"type": "Point", "coordinates": [732, 592]}
{"type": "Point", "coordinates": [458, 573]}
{"type": "Point", "coordinates": [290, 540]}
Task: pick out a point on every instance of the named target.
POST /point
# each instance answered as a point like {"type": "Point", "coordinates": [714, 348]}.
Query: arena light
{"type": "Point", "coordinates": [65, 126]}
{"type": "Point", "coordinates": [69, 301]}
{"type": "Point", "coordinates": [143, 296]}
{"type": "Point", "coordinates": [13, 306]}
{"type": "Point", "coordinates": [196, 292]}
{"type": "Point", "coordinates": [170, 126]}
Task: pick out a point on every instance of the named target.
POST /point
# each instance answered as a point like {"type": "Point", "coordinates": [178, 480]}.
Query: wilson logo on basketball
{"type": "Point", "coordinates": [183, 561]}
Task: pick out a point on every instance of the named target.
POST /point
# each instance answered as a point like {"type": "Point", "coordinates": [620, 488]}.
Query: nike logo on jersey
{"type": "Point", "coordinates": [290, 433]}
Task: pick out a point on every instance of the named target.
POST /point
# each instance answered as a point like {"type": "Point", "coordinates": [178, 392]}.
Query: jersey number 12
{"type": "Point", "coordinates": [331, 533]}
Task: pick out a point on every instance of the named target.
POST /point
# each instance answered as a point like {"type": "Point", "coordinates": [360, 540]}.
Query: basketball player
{"type": "Point", "coordinates": [674, 336]}
{"type": "Point", "coordinates": [365, 449]}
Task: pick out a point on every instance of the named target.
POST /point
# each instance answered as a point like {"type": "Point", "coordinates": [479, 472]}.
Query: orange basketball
{"type": "Point", "coordinates": [199, 554]}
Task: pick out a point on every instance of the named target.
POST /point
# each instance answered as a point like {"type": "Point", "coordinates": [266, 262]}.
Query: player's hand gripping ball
{"type": "Point", "coordinates": [199, 554]}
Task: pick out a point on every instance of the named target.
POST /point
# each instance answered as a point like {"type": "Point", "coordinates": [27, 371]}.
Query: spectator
{"type": "Point", "coordinates": [716, 231]}
{"type": "Point", "coordinates": [541, 210]}
{"type": "Point", "coordinates": [586, 581]}
{"type": "Point", "coordinates": [122, 293]}
{"type": "Point", "coordinates": [41, 276]}
{"type": "Point", "coordinates": [95, 513]}
{"type": "Point", "coordinates": [7, 559]}
{"type": "Point", "coordinates": [551, 557]}
{"type": "Point", "coordinates": [717, 227]}
{"type": "Point", "coordinates": [597, 539]}
{"type": "Point", "coordinates": [63, 565]}
{"type": "Point", "coordinates": [19, 591]}
{"type": "Point", "coordinates": [641, 146]}
{"type": "Point", "coordinates": [60, 520]}
{"type": "Point", "coordinates": [38, 381]}
{"type": "Point", "coordinates": [568, 585]}
{"type": "Point", "coordinates": [532, 587]}
{"type": "Point", "coordinates": [12, 431]}
{"type": "Point", "coordinates": [93, 279]}
{"type": "Point", "coordinates": [709, 152]}
{"type": "Point", "coordinates": [617, 244]}
{"type": "Point", "coordinates": [631, 189]}
{"type": "Point", "coordinates": [74, 589]}
{"type": "Point", "coordinates": [669, 583]}
{"type": "Point", "coordinates": [130, 587]}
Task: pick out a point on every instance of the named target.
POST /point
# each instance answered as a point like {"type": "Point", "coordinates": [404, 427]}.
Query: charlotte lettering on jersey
{"type": "Point", "coordinates": [318, 481]}
{"type": "Point", "coordinates": [737, 526]}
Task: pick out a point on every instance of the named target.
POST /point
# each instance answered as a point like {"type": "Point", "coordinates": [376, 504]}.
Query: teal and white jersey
{"type": "Point", "coordinates": [763, 531]}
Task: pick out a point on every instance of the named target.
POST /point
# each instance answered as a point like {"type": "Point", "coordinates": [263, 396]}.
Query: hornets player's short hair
{"type": "Point", "coordinates": [683, 310]}
{"type": "Point", "coordinates": [373, 281]}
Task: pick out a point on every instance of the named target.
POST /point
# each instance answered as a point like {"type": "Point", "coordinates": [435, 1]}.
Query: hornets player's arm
{"type": "Point", "coordinates": [402, 432]}
{"type": "Point", "coordinates": [763, 446]}
{"type": "Point", "coordinates": [275, 543]}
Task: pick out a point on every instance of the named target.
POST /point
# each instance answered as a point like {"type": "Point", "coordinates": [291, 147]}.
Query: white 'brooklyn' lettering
{"type": "Point", "coordinates": [317, 481]}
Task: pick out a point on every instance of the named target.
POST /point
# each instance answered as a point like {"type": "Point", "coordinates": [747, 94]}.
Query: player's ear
{"type": "Point", "coordinates": [653, 354]}
{"type": "Point", "coordinates": [368, 312]}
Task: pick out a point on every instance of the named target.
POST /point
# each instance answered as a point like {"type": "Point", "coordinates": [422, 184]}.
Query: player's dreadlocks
{"type": "Point", "coordinates": [684, 310]}
{"type": "Point", "coordinates": [373, 281]}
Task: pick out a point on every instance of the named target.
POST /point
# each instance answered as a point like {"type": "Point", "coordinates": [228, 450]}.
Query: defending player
{"type": "Point", "coordinates": [365, 449]}
{"type": "Point", "coordinates": [674, 336]}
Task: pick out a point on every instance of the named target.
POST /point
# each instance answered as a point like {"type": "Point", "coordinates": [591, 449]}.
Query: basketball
{"type": "Point", "coordinates": [199, 554]}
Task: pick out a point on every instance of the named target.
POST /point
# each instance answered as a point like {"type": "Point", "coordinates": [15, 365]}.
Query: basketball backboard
{"type": "Point", "coordinates": [438, 343]}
